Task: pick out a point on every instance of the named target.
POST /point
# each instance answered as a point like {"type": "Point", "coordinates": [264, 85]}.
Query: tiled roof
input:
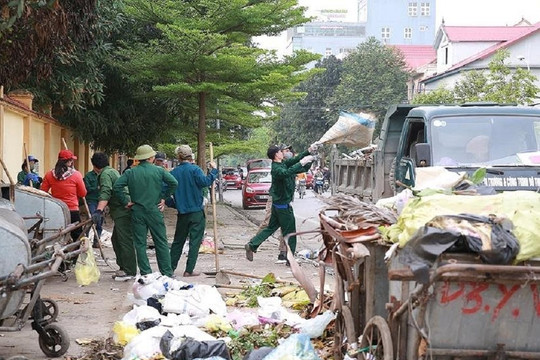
{"type": "Point", "coordinates": [484, 33]}
{"type": "Point", "coordinates": [519, 36]}
{"type": "Point", "coordinates": [417, 55]}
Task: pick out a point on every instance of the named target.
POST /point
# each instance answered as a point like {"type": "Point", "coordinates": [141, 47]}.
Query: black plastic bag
{"type": "Point", "coordinates": [192, 349]}
{"type": "Point", "coordinates": [456, 233]}
{"type": "Point", "coordinates": [144, 325]}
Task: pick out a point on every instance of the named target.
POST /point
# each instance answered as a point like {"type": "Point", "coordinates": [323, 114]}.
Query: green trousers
{"type": "Point", "coordinates": [143, 221]}
{"type": "Point", "coordinates": [122, 242]}
{"type": "Point", "coordinates": [279, 218]}
{"type": "Point", "coordinates": [192, 224]}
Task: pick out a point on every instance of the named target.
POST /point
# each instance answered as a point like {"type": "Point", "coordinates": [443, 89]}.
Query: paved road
{"type": "Point", "coordinates": [306, 211]}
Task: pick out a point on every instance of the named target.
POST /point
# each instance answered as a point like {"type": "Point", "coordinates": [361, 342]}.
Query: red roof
{"type": "Point", "coordinates": [417, 55]}
{"type": "Point", "coordinates": [484, 33]}
{"type": "Point", "coordinates": [526, 31]}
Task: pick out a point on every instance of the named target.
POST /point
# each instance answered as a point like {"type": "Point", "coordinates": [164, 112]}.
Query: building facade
{"type": "Point", "coordinates": [398, 22]}
{"type": "Point", "coordinates": [327, 38]}
{"type": "Point", "coordinates": [464, 48]}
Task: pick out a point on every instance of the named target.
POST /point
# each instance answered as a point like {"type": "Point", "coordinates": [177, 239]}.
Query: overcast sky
{"type": "Point", "coordinates": [454, 12]}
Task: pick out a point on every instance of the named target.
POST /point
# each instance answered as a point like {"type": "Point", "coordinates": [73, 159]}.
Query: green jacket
{"type": "Point", "coordinates": [107, 178]}
{"type": "Point", "coordinates": [145, 182]}
{"type": "Point", "coordinates": [283, 178]}
{"type": "Point", "coordinates": [21, 177]}
{"type": "Point", "coordinates": [92, 187]}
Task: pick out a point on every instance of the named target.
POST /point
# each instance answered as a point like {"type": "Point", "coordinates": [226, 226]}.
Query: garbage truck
{"type": "Point", "coordinates": [504, 139]}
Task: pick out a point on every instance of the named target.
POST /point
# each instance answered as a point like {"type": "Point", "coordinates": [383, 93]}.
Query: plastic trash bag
{"type": "Point", "coordinates": [315, 327]}
{"type": "Point", "coordinates": [351, 130]}
{"type": "Point", "coordinates": [295, 347]}
{"type": "Point", "coordinates": [192, 349]}
{"type": "Point", "coordinates": [86, 270]}
{"type": "Point", "coordinates": [489, 237]}
{"type": "Point", "coordinates": [123, 333]}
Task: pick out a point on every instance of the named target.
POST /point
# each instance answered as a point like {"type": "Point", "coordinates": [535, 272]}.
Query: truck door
{"type": "Point", "coordinates": [413, 133]}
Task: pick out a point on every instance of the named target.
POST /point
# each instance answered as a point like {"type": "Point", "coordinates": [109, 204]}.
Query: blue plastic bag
{"type": "Point", "coordinates": [295, 347]}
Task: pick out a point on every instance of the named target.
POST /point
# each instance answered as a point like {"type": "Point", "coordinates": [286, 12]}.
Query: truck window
{"type": "Point", "coordinates": [485, 140]}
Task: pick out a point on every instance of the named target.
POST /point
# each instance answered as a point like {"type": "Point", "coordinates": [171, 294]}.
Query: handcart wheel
{"type": "Point", "coordinates": [56, 343]}
{"type": "Point", "coordinates": [344, 331]}
{"type": "Point", "coordinates": [376, 343]}
{"type": "Point", "coordinates": [49, 310]}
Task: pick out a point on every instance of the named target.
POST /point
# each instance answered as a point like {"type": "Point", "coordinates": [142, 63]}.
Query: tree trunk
{"type": "Point", "coordinates": [201, 137]}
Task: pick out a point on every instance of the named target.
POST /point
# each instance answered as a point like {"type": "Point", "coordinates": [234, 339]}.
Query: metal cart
{"type": "Point", "coordinates": [467, 310]}
{"type": "Point", "coordinates": [25, 264]}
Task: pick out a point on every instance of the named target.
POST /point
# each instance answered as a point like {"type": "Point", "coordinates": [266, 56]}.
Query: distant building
{"type": "Point", "coordinates": [464, 48]}
{"type": "Point", "coordinates": [421, 61]}
{"type": "Point", "coordinates": [339, 29]}
{"type": "Point", "coordinates": [398, 22]}
{"type": "Point", "coordinates": [327, 38]}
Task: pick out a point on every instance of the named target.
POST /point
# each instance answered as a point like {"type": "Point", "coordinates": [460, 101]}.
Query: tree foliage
{"type": "Point", "coordinates": [304, 121]}
{"type": "Point", "coordinates": [42, 35]}
{"type": "Point", "coordinates": [201, 57]}
{"type": "Point", "coordinates": [500, 84]}
{"type": "Point", "coordinates": [374, 76]}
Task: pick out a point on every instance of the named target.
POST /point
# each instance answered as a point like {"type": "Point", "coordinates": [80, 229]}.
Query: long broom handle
{"type": "Point", "coordinates": [214, 214]}
{"type": "Point", "coordinates": [27, 162]}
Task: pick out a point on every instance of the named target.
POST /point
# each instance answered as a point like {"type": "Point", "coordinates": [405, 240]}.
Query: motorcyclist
{"type": "Point", "coordinates": [301, 180]}
{"type": "Point", "coordinates": [326, 178]}
{"type": "Point", "coordinates": [319, 178]}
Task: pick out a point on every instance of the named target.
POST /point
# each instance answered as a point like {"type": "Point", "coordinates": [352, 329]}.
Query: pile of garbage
{"type": "Point", "coordinates": [447, 211]}
{"type": "Point", "coordinates": [172, 319]}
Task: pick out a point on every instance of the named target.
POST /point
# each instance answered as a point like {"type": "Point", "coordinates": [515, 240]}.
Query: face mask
{"type": "Point", "coordinates": [287, 155]}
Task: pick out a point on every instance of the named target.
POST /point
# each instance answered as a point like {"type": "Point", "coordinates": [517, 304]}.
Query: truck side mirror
{"type": "Point", "coordinates": [423, 155]}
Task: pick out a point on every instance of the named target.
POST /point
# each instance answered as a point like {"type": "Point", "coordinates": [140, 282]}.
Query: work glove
{"type": "Point", "coordinates": [313, 148]}
{"type": "Point", "coordinates": [97, 217]}
{"type": "Point", "coordinates": [307, 159]}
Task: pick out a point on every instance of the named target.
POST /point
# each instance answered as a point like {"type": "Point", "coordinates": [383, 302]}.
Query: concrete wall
{"type": "Point", "coordinates": [41, 135]}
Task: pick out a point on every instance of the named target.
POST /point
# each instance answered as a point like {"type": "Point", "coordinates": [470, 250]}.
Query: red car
{"type": "Point", "coordinates": [255, 192]}
{"type": "Point", "coordinates": [309, 180]}
{"type": "Point", "coordinates": [233, 178]}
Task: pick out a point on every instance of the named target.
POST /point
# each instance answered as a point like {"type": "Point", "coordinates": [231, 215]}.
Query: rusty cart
{"type": "Point", "coordinates": [467, 310]}
{"type": "Point", "coordinates": [29, 254]}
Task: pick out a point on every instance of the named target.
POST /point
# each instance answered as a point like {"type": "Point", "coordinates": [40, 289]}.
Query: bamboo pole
{"type": "Point", "coordinates": [214, 214]}
{"type": "Point", "coordinates": [27, 162]}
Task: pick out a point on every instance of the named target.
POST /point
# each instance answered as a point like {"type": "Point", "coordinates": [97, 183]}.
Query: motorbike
{"type": "Point", "coordinates": [319, 182]}
{"type": "Point", "coordinates": [326, 185]}
{"type": "Point", "coordinates": [301, 188]}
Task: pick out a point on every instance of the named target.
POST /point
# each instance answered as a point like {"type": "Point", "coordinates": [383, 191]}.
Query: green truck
{"type": "Point", "coordinates": [503, 139]}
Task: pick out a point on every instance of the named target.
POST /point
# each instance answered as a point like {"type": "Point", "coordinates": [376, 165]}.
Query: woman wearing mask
{"type": "Point", "coordinates": [66, 184]}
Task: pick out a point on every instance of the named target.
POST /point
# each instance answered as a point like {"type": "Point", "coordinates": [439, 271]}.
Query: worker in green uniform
{"type": "Point", "coordinates": [122, 235]}
{"type": "Point", "coordinates": [147, 202]}
{"type": "Point", "coordinates": [92, 198]}
{"type": "Point", "coordinates": [282, 193]}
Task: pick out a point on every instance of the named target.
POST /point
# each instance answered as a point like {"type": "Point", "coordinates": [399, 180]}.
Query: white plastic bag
{"type": "Point", "coordinates": [315, 327]}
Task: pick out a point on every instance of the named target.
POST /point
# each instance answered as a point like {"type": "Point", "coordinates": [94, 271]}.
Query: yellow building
{"type": "Point", "coordinates": [41, 135]}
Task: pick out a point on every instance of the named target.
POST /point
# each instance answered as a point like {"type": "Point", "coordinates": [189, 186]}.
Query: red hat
{"type": "Point", "coordinates": [66, 155]}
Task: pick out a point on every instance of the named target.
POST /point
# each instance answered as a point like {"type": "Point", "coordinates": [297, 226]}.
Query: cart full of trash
{"type": "Point", "coordinates": [34, 229]}
{"type": "Point", "coordinates": [452, 276]}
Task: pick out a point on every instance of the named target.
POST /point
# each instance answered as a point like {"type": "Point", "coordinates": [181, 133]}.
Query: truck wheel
{"type": "Point", "coordinates": [56, 341]}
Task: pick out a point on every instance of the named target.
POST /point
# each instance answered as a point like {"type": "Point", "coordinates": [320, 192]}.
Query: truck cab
{"type": "Point", "coordinates": [503, 139]}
